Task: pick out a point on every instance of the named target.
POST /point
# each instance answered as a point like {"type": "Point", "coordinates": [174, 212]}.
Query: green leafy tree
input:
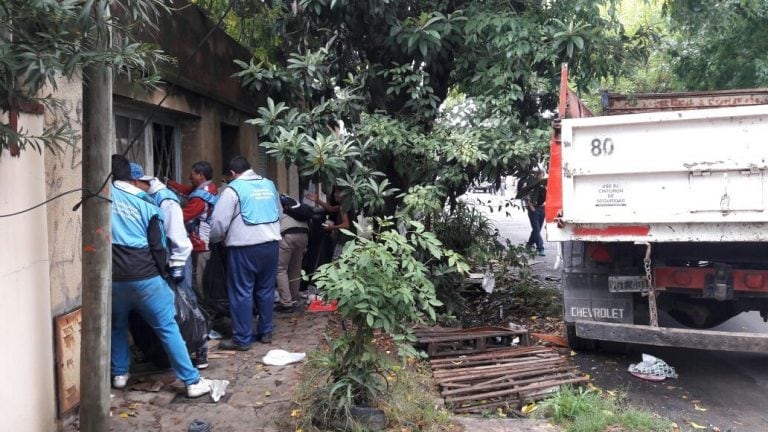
{"type": "Point", "coordinates": [430, 92]}
{"type": "Point", "coordinates": [42, 42]}
{"type": "Point", "coordinates": [719, 44]}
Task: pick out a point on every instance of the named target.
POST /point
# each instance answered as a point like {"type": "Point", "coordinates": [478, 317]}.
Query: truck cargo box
{"type": "Point", "coordinates": [682, 175]}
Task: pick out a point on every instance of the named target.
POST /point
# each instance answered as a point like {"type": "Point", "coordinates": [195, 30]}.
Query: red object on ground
{"type": "Point", "coordinates": [320, 306]}
{"type": "Point", "coordinates": [649, 377]}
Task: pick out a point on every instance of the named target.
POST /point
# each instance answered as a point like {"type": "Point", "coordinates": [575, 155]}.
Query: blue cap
{"type": "Point", "coordinates": [137, 173]}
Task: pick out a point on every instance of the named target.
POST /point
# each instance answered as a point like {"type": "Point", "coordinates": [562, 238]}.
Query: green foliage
{"type": "Point", "coordinates": [42, 42]}
{"type": "Point", "coordinates": [386, 69]}
{"type": "Point", "coordinates": [585, 410]}
{"type": "Point", "coordinates": [379, 285]}
{"type": "Point", "coordinates": [468, 232]}
{"type": "Point", "coordinates": [719, 44]}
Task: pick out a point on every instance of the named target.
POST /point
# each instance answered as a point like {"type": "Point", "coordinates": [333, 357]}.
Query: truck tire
{"type": "Point", "coordinates": [576, 343]}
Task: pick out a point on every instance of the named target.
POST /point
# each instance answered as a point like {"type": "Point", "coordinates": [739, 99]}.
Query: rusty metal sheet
{"type": "Point", "coordinates": [68, 337]}
{"type": "Point", "coordinates": [614, 103]}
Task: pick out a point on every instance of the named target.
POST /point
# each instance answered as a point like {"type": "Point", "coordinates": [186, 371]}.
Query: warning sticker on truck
{"type": "Point", "coordinates": [611, 195]}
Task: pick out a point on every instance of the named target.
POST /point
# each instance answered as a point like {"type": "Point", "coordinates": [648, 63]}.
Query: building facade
{"type": "Point", "coordinates": [202, 117]}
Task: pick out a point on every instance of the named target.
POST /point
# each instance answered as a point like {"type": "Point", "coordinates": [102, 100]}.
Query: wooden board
{"type": "Point", "coordinates": [67, 335]}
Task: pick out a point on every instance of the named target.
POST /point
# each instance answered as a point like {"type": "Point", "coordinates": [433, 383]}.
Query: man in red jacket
{"type": "Point", "coordinates": [201, 198]}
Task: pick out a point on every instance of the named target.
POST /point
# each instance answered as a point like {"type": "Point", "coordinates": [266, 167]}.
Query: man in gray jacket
{"type": "Point", "coordinates": [246, 218]}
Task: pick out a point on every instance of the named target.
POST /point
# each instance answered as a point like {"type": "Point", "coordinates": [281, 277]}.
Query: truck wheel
{"type": "Point", "coordinates": [576, 343]}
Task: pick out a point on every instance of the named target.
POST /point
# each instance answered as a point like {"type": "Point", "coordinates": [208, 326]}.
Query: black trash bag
{"type": "Point", "coordinates": [192, 319]}
{"type": "Point", "coordinates": [215, 298]}
{"type": "Point", "coordinates": [193, 322]}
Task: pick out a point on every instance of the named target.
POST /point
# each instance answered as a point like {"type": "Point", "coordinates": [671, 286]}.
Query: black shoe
{"type": "Point", "coordinates": [266, 338]}
{"type": "Point", "coordinates": [284, 309]}
{"type": "Point", "coordinates": [201, 361]}
{"type": "Point", "coordinates": [228, 344]}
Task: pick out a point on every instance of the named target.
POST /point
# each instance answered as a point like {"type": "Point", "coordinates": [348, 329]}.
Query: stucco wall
{"type": "Point", "coordinates": [26, 366]}
{"type": "Point", "coordinates": [63, 168]}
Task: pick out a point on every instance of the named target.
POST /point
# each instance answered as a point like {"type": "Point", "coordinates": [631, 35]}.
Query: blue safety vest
{"type": "Point", "coordinates": [258, 200]}
{"type": "Point", "coordinates": [165, 194]}
{"type": "Point", "coordinates": [131, 214]}
{"type": "Point", "coordinates": [206, 196]}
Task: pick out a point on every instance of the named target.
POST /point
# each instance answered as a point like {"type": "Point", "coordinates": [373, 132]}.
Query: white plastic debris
{"type": "Point", "coordinates": [652, 368]}
{"type": "Point", "coordinates": [218, 389]}
{"type": "Point", "coordinates": [489, 282]}
{"type": "Point", "coordinates": [278, 357]}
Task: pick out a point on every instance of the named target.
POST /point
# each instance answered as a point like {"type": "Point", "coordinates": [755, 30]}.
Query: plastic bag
{"type": "Point", "coordinates": [193, 322]}
{"type": "Point", "coordinates": [652, 369]}
{"type": "Point", "coordinates": [278, 357]}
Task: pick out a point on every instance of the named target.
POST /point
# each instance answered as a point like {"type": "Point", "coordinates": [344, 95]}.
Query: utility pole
{"type": "Point", "coordinates": [97, 244]}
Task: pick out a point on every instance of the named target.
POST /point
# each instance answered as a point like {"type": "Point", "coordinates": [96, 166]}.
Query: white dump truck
{"type": "Point", "coordinates": [661, 207]}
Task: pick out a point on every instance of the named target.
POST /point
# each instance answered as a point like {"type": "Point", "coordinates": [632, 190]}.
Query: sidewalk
{"type": "Point", "coordinates": [256, 395]}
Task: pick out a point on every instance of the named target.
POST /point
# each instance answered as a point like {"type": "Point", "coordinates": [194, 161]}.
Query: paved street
{"type": "Point", "coordinates": [730, 389]}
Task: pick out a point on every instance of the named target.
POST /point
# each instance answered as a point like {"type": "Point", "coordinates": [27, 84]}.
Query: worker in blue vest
{"type": "Point", "coordinates": [179, 244]}
{"type": "Point", "coordinates": [138, 264]}
{"type": "Point", "coordinates": [247, 220]}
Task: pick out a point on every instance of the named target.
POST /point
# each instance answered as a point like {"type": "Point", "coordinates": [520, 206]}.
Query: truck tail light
{"type": "Point", "coordinates": [754, 281]}
{"type": "Point", "coordinates": [599, 253]}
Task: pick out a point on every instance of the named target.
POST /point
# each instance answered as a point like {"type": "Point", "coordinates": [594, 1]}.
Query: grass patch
{"type": "Point", "coordinates": [410, 402]}
{"type": "Point", "coordinates": [585, 410]}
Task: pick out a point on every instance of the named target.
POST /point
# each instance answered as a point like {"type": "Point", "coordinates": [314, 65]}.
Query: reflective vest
{"type": "Point", "coordinates": [131, 214]}
{"type": "Point", "coordinates": [258, 200]}
{"type": "Point", "coordinates": [165, 194]}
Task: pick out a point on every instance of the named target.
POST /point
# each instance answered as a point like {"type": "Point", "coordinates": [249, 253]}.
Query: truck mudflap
{"type": "Point", "coordinates": [666, 336]}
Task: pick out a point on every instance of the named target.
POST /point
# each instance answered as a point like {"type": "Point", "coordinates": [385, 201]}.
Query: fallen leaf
{"type": "Point", "coordinates": [573, 353]}
{"type": "Point", "coordinates": [697, 426]}
{"type": "Point", "coordinates": [267, 393]}
{"type": "Point", "coordinates": [123, 415]}
{"type": "Point", "coordinates": [531, 407]}
{"type": "Point", "coordinates": [296, 413]}
{"type": "Point", "coordinates": [611, 392]}
{"type": "Point", "coordinates": [715, 429]}
{"type": "Point", "coordinates": [698, 408]}
{"type": "Point", "coordinates": [594, 388]}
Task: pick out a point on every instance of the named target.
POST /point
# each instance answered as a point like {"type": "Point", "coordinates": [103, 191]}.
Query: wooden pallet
{"type": "Point", "coordinates": [441, 341]}
{"type": "Point", "coordinates": [502, 378]}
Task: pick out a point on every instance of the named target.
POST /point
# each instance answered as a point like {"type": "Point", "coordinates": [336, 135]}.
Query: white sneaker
{"type": "Point", "coordinates": [201, 387]}
{"type": "Point", "coordinates": [119, 381]}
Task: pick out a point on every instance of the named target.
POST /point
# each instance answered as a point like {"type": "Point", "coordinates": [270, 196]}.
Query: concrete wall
{"type": "Point", "coordinates": [26, 366]}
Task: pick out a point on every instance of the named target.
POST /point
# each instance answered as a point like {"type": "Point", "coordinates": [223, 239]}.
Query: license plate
{"type": "Point", "coordinates": [627, 284]}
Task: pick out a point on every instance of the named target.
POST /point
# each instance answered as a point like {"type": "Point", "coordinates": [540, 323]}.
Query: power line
{"type": "Point", "coordinates": [54, 198]}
